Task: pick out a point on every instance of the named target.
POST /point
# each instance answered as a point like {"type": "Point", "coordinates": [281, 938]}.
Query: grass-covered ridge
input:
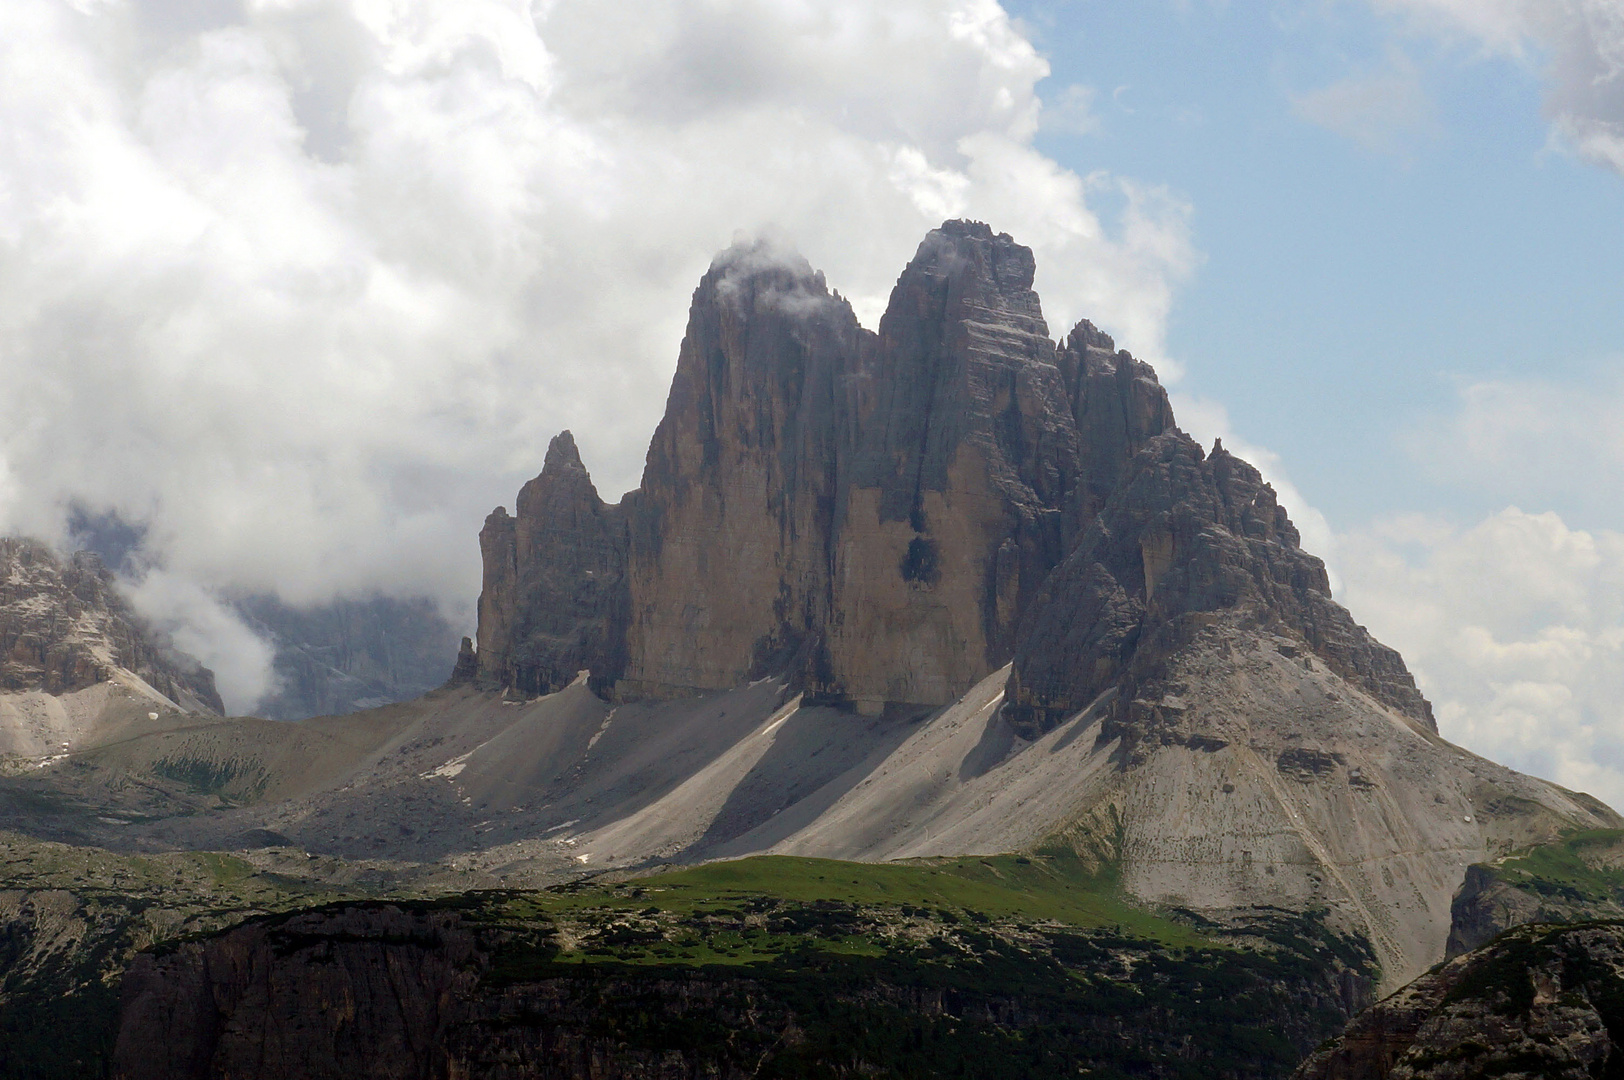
{"type": "Point", "coordinates": [1058, 888]}
{"type": "Point", "coordinates": [1584, 867]}
{"type": "Point", "coordinates": [974, 968]}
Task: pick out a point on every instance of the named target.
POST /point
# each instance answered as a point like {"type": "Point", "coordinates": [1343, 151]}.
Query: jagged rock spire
{"type": "Point", "coordinates": [881, 515]}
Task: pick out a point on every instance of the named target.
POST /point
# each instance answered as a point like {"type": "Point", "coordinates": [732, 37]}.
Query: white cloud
{"type": "Point", "coordinates": [305, 285]}
{"type": "Point", "coordinates": [201, 626]}
{"type": "Point", "coordinates": [1579, 44]}
{"type": "Point", "coordinates": [1514, 628]}
{"type": "Point", "coordinates": [1071, 111]}
{"type": "Point", "coordinates": [1381, 110]}
{"type": "Point", "coordinates": [1537, 442]}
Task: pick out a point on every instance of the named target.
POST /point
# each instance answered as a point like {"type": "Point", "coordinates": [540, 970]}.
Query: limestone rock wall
{"type": "Point", "coordinates": [1117, 405]}
{"type": "Point", "coordinates": [881, 515]}
{"type": "Point", "coordinates": [731, 532]}
{"type": "Point", "coordinates": [555, 599]}
{"type": "Point", "coordinates": [1186, 539]}
{"type": "Point", "coordinates": [64, 627]}
{"type": "Point", "coordinates": [350, 653]}
{"type": "Point", "coordinates": [1540, 1001]}
{"type": "Point", "coordinates": [963, 453]}
{"type": "Point", "coordinates": [869, 511]}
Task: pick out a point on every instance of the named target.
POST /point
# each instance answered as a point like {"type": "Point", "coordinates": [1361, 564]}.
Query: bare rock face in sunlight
{"type": "Point", "coordinates": [963, 456]}
{"type": "Point", "coordinates": [730, 572]}
{"type": "Point", "coordinates": [64, 627]}
{"type": "Point", "coordinates": [871, 512]}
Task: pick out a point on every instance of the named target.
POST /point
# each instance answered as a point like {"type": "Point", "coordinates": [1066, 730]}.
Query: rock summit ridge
{"type": "Point", "coordinates": [889, 516]}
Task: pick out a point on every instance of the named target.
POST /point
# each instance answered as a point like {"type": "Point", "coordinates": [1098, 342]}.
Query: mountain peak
{"type": "Point", "coordinates": [562, 453]}
{"type": "Point", "coordinates": [64, 627]}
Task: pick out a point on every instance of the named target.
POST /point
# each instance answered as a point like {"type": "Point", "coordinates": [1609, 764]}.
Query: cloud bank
{"type": "Point", "coordinates": [303, 286]}
{"type": "Point", "coordinates": [1381, 110]}
{"type": "Point", "coordinates": [1578, 44]}
{"type": "Point", "coordinates": [1536, 442]}
{"type": "Point", "coordinates": [1514, 628]}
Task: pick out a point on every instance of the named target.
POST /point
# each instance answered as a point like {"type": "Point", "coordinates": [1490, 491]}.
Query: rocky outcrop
{"type": "Point", "coordinates": [1185, 540]}
{"type": "Point", "coordinates": [1485, 906]}
{"type": "Point", "coordinates": [64, 627]}
{"type": "Point", "coordinates": [964, 454]}
{"type": "Point", "coordinates": [454, 990]}
{"type": "Point", "coordinates": [1541, 1001]}
{"type": "Point", "coordinates": [870, 512]}
{"type": "Point", "coordinates": [1578, 877]}
{"type": "Point", "coordinates": [1118, 405]}
{"type": "Point", "coordinates": [555, 598]}
{"type": "Point", "coordinates": [731, 558]}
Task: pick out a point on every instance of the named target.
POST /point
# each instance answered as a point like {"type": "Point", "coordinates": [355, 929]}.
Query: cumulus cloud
{"type": "Point", "coordinates": [1381, 110]}
{"type": "Point", "coordinates": [1514, 628]}
{"type": "Point", "coordinates": [304, 286]}
{"type": "Point", "coordinates": [1537, 442]}
{"type": "Point", "coordinates": [1579, 44]}
{"type": "Point", "coordinates": [202, 626]}
{"type": "Point", "coordinates": [1071, 111]}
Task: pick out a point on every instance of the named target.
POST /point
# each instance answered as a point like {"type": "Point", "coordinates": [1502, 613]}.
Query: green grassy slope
{"type": "Point", "coordinates": [1582, 867]}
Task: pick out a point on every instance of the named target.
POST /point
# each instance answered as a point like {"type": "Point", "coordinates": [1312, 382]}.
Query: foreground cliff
{"type": "Point", "coordinates": [735, 973]}
{"type": "Point", "coordinates": [1541, 1001]}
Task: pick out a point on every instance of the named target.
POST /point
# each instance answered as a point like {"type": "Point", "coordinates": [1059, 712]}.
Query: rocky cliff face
{"type": "Point", "coordinates": [487, 986]}
{"type": "Point", "coordinates": [888, 517]}
{"type": "Point", "coordinates": [965, 452]}
{"type": "Point", "coordinates": [555, 599]}
{"type": "Point", "coordinates": [1578, 877]}
{"type": "Point", "coordinates": [871, 512]}
{"type": "Point", "coordinates": [64, 627]}
{"type": "Point", "coordinates": [1118, 406]}
{"type": "Point", "coordinates": [1541, 1001]}
{"type": "Point", "coordinates": [730, 562]}
{"type": "Point", "coordinates": [1185, 539]}
{"type": "Point", "coordinates": [349, 654]}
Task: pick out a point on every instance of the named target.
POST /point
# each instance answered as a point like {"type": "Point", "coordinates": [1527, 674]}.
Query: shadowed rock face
{"type": "Point", "coordinates": [1186, 540]}
{"type": "Point", "coordinates": [963, 452]}
{"type": "Point", "coordinates": [397, 992]}
{"type": "Point", "coordinates": [1540, 1001]}
{"type": "Point", "coordinates": [349, 653]}
{"type": "Point", "coordinates": [1117, 405]}
{"type": "Point", "coordinates": [731, 556]}
{"type": "Point", "coordinates": [64, 627]}
{"type": "Point", "coordinates": [554, 601]}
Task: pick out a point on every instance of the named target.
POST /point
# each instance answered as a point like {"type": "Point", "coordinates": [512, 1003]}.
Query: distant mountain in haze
{"type": "Point", "coordinates": [330, 659]}
{"type": "Point", "coordinates": [348, 655]}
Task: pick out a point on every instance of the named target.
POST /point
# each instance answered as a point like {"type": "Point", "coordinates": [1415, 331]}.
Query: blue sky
{"type": "Point", "coordinates": [1353, 280]}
